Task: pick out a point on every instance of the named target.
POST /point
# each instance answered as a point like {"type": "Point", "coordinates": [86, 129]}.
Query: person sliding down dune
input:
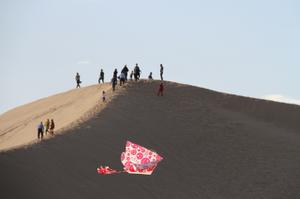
{"type": "Point", "coordinates": [160, 90]}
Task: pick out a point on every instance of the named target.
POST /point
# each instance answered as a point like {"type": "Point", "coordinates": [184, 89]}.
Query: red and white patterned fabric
{"type": "Point", "coordinates": [139, 160]}
{"type": "Point", "coordinates": [136, 160]}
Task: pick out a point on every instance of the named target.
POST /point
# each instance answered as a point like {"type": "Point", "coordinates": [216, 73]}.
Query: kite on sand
{"type": "Point", "coordinates": [136, 160]}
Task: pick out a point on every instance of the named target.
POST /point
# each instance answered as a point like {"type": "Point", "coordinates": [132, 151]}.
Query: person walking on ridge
{"type": "Point", "coordinates": [40, 131]}
{"type": "Point", "coordinates": [77, 78]}
{"type": "Point", "coordinates": [52, 126]}
{"type": "Point", "coordinates": [101, 78]}
{"type": "Point", "coordinates": [46, 125]}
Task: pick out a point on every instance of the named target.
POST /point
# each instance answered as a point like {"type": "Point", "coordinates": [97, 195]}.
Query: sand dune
{"type": "Point", "coordinates": [214, 145]}
{"type": "Point", "coordinates": [18, 126]}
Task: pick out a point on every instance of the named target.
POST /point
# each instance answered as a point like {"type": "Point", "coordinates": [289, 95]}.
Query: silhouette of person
{"type": "Point", "coordinates": [52, 126]}
{"type": "Point", "coordinates": [101, 78]}
{"type": "Point", "coordinates": [77, 78]}
{"type": "Point", "coordinates": [137, 72]}
{"type": "Point", "coordinates": [161, 72]}
{"type": "Point", "coordinates": [125, 71]}
{"type": "Point", "coordinates": [150, 76]}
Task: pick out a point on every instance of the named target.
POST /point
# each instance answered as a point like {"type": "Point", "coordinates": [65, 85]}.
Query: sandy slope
{"type": "Point", "coordinates": [214, 146]}
{"type": "Point", "coordinates": [18, 126]}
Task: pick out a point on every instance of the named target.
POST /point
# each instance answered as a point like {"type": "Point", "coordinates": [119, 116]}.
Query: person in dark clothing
{"type": "Point", "coordinates": [101, 78]}
{"type": "Point", "coordinates": [137, 72]}
{"type": "Point", "coordinates": [115, 75]}
{"type": "Point", "coordinates": [160, 90]}
{"type": "Point", "coordinates": [161, 72]}
{"type": "Point", "coordinates": [77, 78]}
{"type": "Point", "coordinates": [40, 131]}
{"type": "Point", "coordinates": [125, 71]}
{"type": "Point", "coordinates": [122, 79]}
{"type": "Point", "coordinates": [150, 76]}
{"type": "Point", "coordinates": [114, 83]}
{"type": "Point", "coordinates": [52, 126]}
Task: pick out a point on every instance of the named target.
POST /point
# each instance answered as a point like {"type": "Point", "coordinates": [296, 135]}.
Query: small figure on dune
{"type": "Point", "coordinates": [115, 74]}
{"type": "Point", "coordinates": [150, 76]}
{"type": "Point", "coordinates": [131, 75]}
{"type": "Point", "coordinates": [52, 126]}
{"type": "Point", "coordinates": [161, 72]}
{"type": "Point", "coordinates": [122, 79]}
{"type": "Point", "coordinates": [46, 125]}
{"type": "Point", "coordinates": [114, 83]}
{"type": "Point", "coordinates": [40, 131]}
{"type": "Point", "coordinates": [137, 72]}
{"type": "Point", "coordinates": [77, 78]}
{"type": "Point", "coordinates": [160, 90]}
{"type": "Point", "coordinates": [125, 71]}
{"type": "Point", "coordinates": [103, 96]}
{"type": "Point", "coordinates": [101, 77]}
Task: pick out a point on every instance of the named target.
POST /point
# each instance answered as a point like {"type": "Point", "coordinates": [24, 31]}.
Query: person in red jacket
{"type": "Point", "coordinates": [160, 90]}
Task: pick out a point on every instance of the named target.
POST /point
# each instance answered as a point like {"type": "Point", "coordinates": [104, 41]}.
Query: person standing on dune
{"type": "Point", "coordinates": [161, 72]}
{"type": "Point", "coordinates": [115, 74]}
{"type": "Point", "coordinates": [150, 76]}
{"type": "Point", "coordinates": [137, 72]}
{"type": "Point", "coordinates": [114, 81]}
{"type": "Point", "coordinates": [125, 71]}
{"type": "Point", "coordinates": [101, 78]}
{"type": "Point", "coordinates": [77, 78]}
{"type": "Point", "coordinates": [52, 126]}
{"type": "Point", "coordinates": [46, 125]}
{"type": "Point", "coordinates": [40, 131]}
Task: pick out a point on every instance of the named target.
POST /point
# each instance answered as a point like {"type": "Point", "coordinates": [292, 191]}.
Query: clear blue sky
{"type": "Point", "coordinates": [244, 47]}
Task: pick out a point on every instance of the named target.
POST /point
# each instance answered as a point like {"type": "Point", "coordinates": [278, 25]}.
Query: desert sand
{"type": "Point", "coordinates": [214, 145]}
{"type": "Point", "coordinates": [18, 126]}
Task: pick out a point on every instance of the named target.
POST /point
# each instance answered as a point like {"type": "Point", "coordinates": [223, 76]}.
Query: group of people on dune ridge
{"type": "Point", "coordinates": [123, 77]}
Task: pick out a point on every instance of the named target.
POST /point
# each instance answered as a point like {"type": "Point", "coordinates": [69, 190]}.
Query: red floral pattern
{"type": "Point", "coordinates": [139, 160]}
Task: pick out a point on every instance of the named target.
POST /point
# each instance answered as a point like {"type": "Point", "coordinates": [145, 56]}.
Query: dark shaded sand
{"type": "Point", "coordinates": [214, 146]}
